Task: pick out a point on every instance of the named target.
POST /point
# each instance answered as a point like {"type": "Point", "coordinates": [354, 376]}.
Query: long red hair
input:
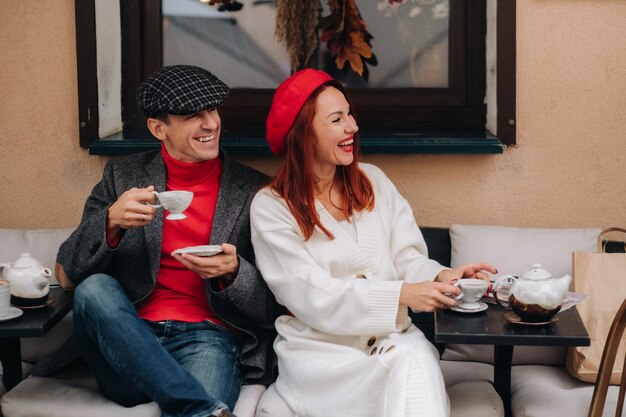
{"type": "Point", "coordinates": [294, 180]}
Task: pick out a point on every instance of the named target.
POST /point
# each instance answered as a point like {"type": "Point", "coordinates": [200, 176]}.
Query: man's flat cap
{"type": "Point", "coordinates": [180, 90]}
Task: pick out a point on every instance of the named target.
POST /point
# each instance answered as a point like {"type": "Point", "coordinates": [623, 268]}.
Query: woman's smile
{"type": "Point", "coordinates": [346, 144]}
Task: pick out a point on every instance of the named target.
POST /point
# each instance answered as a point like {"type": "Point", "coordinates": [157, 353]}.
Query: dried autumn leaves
{"type": "Point", "coordinates": [343, 30]}
{"type": "Point", "coordinates": [348, 40]}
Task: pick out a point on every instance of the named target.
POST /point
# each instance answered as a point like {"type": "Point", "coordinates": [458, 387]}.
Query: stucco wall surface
{"type": "Point", "coordinates": [568, 169]}
{"type": "Point", "coordinates": [44, 175]}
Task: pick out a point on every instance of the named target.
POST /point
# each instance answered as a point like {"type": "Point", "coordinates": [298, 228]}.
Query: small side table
{"type": "Point", "coordinates": [33, 323]}
{"type": "Point", "coordinates": [490, 328]}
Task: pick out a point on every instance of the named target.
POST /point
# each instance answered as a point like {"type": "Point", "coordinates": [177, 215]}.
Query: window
{"type": "Point", "coordinates": [396, 112]}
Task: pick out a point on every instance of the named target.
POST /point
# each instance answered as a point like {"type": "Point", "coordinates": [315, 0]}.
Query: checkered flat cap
{"type": "Point", "coordinates": [180, 90]}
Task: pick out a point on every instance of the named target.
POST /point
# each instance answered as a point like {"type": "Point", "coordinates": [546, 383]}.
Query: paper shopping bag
{"type": "Point", "coordinates": [602, 276]}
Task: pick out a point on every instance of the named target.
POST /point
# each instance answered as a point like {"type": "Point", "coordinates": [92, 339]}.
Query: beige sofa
{"type": "Point", "coordinates": [540, 384]}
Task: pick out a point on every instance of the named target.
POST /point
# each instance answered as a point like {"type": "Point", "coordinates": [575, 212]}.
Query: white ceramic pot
{"type": "Point", "coordinates": [29, 279]}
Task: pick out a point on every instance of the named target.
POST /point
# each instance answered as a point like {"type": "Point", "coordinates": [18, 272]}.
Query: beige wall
{"type": "Point", "coordinates": [568, 169]}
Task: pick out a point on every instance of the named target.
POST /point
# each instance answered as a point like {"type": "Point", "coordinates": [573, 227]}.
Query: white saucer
{"type": "Point", "coordinates": [202, 250]}
{"type": "Point", "coordinates": [12, 314]}
{"type": "Point", "coordinates": [482, 307]}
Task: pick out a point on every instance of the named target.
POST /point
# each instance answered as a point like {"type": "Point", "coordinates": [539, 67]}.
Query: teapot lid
{"type": "Point", "coordinates": [26, 261]}
{"type": "Point", "coordinates": [536, 273]}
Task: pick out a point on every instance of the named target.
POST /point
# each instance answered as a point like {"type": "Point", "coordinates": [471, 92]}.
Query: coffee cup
{"type": "Point", "coordinates": [472, 290]}
{"type": "Point", "coordinates": [5, 297]}
{"type": "Point", "coordinates": [173, 201]}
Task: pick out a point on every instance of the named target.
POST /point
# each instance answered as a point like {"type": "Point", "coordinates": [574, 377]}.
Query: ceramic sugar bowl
{"type": "Point", "coordinates": [535, 296]}
{"type": "Point", "coordinates": [29, 281]}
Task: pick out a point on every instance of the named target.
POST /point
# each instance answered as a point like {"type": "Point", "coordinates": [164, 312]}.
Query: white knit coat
{"type": "Point", "coordinates": [349, 349]}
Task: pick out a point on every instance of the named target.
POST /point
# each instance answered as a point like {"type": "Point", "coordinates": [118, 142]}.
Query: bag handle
{"type": "Point", "coordinates": [604, 232]}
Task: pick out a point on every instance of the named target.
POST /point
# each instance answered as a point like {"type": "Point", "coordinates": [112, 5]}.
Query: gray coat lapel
{"type": "Point", "coordinates": [153, 231]}
{"type": "Point", "coordinates": [229, 201]}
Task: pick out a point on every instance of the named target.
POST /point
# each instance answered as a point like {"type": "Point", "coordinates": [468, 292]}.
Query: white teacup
{"type": "Point", "coordinates": [5, 297]}
{"type": "Point", "coordinates": [173, 201]}
{"type": "Point", "coordinates": [472, 290]}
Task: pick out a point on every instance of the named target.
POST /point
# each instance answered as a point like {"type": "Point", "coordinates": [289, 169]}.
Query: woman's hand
{"type": "Point", "coordinates": [428, 296]}
{"type": "Point", "coordinates": [438, 294]}
{"type": "Point", "coordinates": [223, 265]}
{"type": "Point", "coordinates": [466, 271]}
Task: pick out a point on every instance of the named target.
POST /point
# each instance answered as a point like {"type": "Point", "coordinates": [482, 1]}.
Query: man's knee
{"type": "Point", "coordinates": [97, 291]}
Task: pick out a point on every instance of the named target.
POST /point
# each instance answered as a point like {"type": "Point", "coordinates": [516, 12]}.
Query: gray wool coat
{"type": "Point", "coordinates": [247, 304]}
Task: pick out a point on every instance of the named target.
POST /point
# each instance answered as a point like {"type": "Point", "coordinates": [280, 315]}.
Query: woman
{"type": "Point", "coordinates": [339, 247]}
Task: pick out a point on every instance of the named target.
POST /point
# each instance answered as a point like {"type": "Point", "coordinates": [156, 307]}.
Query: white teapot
{"type": "Point", "coordinates": [535, 296]}
{"type": "Point", "coordinates": [29, 279]}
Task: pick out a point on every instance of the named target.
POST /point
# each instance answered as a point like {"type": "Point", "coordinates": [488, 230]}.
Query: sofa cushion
{"type": "Point", "coordinates": [51, 397]}
{"type": "Point", "coordinates": [42, 244]}
{"type": "Point", "coordinates": [474, 399]}
{"type": "Point", "coordinates": [55, 397]}
{"type": "Point", "coordinates": [539, 391]}
{"type": "Point", "coordinates": [512, 250]}
{"type": "Point", "coordinates": [459, 372]}
{"type": "Point", "coordinates": [522, 355]}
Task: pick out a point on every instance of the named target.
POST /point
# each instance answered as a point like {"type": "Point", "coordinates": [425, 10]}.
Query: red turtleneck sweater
{"type": "Point", "coordinates": [180, 293]}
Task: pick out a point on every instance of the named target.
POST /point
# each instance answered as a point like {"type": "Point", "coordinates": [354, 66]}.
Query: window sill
{"type": "Point", "coordinates": [421, 141]}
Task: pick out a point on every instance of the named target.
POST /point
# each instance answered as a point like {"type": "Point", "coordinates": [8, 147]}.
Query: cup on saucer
{"type": "Point", "coordinates": [472, 290]}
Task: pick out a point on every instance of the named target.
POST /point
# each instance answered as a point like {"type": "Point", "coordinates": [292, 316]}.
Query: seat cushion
{"type": "Point", "coordinates": [51, 397]}
{"type": "Point", "coordinates": [470, 389]}
{"type": "Point", "coordinates": [474, 399]}
{"type": "Point", "coordinates": [539, 391]}
{"type": "Point", "coordinates": [468, 385]}
{"type": "Point", "coordinates": [55, 397]}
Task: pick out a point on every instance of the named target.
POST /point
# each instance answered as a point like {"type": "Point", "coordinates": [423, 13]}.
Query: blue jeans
{"type": "Point", "coordinates": [188, 369]}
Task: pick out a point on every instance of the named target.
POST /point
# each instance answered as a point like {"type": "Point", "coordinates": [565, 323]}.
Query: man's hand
{"type": "Point", "coordinates": [223, 265]}
{"type": "Point", "coordinates": [130, 210]}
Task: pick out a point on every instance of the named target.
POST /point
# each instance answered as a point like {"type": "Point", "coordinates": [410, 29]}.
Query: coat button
{"type": "Point", "coordinates": [373, 352]}
{"type": "Point", "coordinates": [371, 341]}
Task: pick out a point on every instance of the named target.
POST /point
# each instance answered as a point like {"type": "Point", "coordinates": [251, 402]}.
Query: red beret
{"type": "Point", "coordinates": [288, 100]}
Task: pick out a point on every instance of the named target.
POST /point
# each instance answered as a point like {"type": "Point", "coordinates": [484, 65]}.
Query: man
{"type": "Point", "coordinates": [181, 330]}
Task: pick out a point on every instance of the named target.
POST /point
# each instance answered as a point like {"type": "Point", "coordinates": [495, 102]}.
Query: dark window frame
{"type": "Point", "coordinates": [410, 111]}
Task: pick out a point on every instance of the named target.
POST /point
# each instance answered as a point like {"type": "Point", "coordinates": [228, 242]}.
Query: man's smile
{"type": "Point", "coordinates": [205, 139]}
